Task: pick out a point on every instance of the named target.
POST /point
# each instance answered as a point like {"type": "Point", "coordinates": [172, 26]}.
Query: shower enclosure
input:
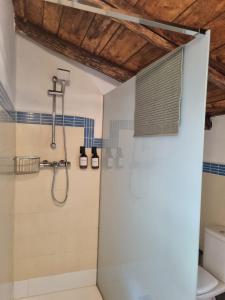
{"type": "Point", "coordinates": [150, 204]}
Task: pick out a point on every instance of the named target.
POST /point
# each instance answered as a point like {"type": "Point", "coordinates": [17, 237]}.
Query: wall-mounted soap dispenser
{"type": "Point", "coordinates": [119, 158]}
{"type": "Point", "coordinates": [83, 158]}
{"type": "Point", "coordinates": [94, 159]}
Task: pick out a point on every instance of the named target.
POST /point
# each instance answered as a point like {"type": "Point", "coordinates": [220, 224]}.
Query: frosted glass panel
{"type": "Point", "coordinates": [151, 193]}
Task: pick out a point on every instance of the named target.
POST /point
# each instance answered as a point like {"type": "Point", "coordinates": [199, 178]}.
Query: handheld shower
{"type": "Point", "coordinates": [63, 79]}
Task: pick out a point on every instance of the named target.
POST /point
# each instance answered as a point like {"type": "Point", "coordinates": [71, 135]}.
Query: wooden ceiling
{"type": "Point", "coordinates": [120, 49]}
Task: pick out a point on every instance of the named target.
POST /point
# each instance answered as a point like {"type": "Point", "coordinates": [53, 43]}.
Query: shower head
{"type": "Point", "coordinates": [63, 76]}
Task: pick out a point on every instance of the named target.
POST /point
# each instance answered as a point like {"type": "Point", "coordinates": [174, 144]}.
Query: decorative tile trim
{"type": "Point", "coordinates": [213, 168]}
{"type": "Point", "coordinates": [72, 121]}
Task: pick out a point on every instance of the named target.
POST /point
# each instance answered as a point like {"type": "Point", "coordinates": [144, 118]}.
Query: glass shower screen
{"type": "Point", "coordinates": [151, 194]}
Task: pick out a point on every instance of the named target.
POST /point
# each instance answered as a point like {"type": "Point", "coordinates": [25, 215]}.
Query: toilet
{"type": "Point", "coordinates": [211, 277]}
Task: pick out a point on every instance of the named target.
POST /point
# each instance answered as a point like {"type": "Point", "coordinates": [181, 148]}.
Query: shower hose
{"type": "Point", "coordinates": [55, 167]}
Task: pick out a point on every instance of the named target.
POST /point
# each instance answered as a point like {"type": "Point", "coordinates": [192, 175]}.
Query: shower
{"type": "Point", "coordinates": [62, 79]}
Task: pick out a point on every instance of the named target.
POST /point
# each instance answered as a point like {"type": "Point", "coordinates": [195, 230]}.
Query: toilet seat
{"type": "Point", "coordinates": [206, 282]}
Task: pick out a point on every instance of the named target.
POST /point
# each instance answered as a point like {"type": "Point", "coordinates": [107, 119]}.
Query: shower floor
{"type": "Point", "coordinates": [87, 293]}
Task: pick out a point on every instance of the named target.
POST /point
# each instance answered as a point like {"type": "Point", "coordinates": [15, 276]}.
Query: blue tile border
{"type": "Point", "coordinates": [213, 168]}
{"type": "Point", "coordinates": [8, 114]}
{"type": "Point", "coordinates": [72, 121]}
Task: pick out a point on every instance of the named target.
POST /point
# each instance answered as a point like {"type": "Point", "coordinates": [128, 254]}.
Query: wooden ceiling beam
{"type": "Point", "coordinates": [142, 31]}
{"type": "Point", "coordinates": [215, 105]}
{"type": "Point", "coordinates": [123, 5]}
{"type": "Point", "coordinates": [78, 54]}
{"type": "Point", "coordinates": [216, 78]}
{"type": "Point", "coordinates": [216, 98]}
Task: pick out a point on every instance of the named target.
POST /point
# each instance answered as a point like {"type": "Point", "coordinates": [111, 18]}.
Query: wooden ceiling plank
{"type": "Point", "coordinates": [122, 46]}
{"type": "Point", "coordinates": [215, 112]}
{"type": "Point", "coordinates": [74, 25]}
{"type": "Point", "coordinates": [217, 61]}
{"type": "Point", "coordinates": [216, 105]}
{"type": "Point", "coordinates": [201, 13]}
{"type": "Point", "coordinates": [217, 78]}
{"type": "Point", "coordinates": [19, 7]}
{"type": "Point", "coordinates": [142, 59]}
{"type": "Point", "coordinates": [132, 2]}
{"type": "Point", "coordinates": [105, 40]}
{"type": "Point", "coordinates": [99, 33]}
{"type": "Point", "coordinates": [217, 32]}
{"type": "Point", "coordinates": [215, 94]}
{"type": "Point", "coordinates": [165, 10]}
{"type": "Point", "coordinates": [159, 38]}
{"type": "Point", "coordinates": [123, 5]}
{"type": "Point", "coordinates": [211, 87]}
{"type": "Point", "coordinates": [218, 98]}
{"type": "Point", "coordinates": [52, 17]}
{"type": "Point", "coordinates": [71, 51]}
{"type": "Point", "coordinates": [150, 36]}
{"type": "Point", "coordinates": [218, 55]}
{"type": "Point", "coordinates": [142, 31]}
{"type": "Point", "coordinates": [35, 11]}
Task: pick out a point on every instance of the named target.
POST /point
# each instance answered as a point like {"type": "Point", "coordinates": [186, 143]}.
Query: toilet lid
{"type": "Point", "coordinates": [206, 282]}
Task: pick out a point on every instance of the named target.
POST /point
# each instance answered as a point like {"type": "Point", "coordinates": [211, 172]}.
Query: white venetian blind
{"type": "Point", "coordinates": [158, 96]}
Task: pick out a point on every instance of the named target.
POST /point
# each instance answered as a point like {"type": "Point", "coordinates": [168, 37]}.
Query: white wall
{"type": "Point", "coordinates": [35, 68]}
{"type": "Point", "coordinates": [7, 48]}
{"type": "Point", "coordinates": [7, 149]}
{"type": "Point", "coordinates": [215, 141]}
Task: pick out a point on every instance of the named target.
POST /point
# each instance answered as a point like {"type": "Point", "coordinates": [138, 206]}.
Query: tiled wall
{"type": "Point", "coordinates": [71, 121]}
{"type": "Point", "coordinates": [213, 184]}
{"type": "Point", "coordinates": [213, 203]}
{"type": "Point", "coordinates": [7, 153]}
{"type": "Point", "coordinates": [48, 239]}
{"type": "Point", "coordinates": [213, 168]}
{"type": "Point", "coordinates": [213, 191]}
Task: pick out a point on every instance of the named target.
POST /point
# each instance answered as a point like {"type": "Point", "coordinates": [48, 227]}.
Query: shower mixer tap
{"type": "Point", "coordinates": [55, 164]}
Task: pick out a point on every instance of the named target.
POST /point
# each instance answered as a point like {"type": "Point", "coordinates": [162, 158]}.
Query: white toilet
{"type": "Point", "coordinates": [211, 278]}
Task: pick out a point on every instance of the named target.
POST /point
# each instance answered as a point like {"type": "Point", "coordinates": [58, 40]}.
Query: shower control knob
{"type": "Point", "coordinates": [45, 164]}
{"type": "Point", "coordinates": [55, 164]}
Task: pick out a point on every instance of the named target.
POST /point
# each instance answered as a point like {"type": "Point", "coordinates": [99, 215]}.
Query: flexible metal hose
{"type": "Point", "coordinates": [55, 200]}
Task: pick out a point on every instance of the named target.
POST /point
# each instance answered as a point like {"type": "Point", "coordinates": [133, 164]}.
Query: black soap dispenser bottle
{"type": "Point", "coordinates": [94, 159]}
{"type": "Point", "coordinates": [83, 158]}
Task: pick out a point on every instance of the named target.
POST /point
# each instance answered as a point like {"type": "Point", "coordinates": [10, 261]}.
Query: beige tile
{"type": "Point", "coordinates": [28, 196]}
{"type": "Point", "coordinates": [35, 246]}
{"type": "Point", "coordinates": [27, 139]}
{"type": "Point", "coordinates": [27, 225]}
{"type": "Point", "coordinates": [33, 267]}
{"type": "Point", "coordinates": [49, 239]}
{"type": "Point", "coordinates": [213, 205]}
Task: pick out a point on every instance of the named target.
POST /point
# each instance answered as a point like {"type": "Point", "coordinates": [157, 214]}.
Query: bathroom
{"type": "Point", "coordinates": [53, 232]}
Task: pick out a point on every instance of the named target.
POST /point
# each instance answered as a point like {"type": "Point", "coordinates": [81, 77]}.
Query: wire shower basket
{"type": "Point", "coordinates": [27, 165]}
